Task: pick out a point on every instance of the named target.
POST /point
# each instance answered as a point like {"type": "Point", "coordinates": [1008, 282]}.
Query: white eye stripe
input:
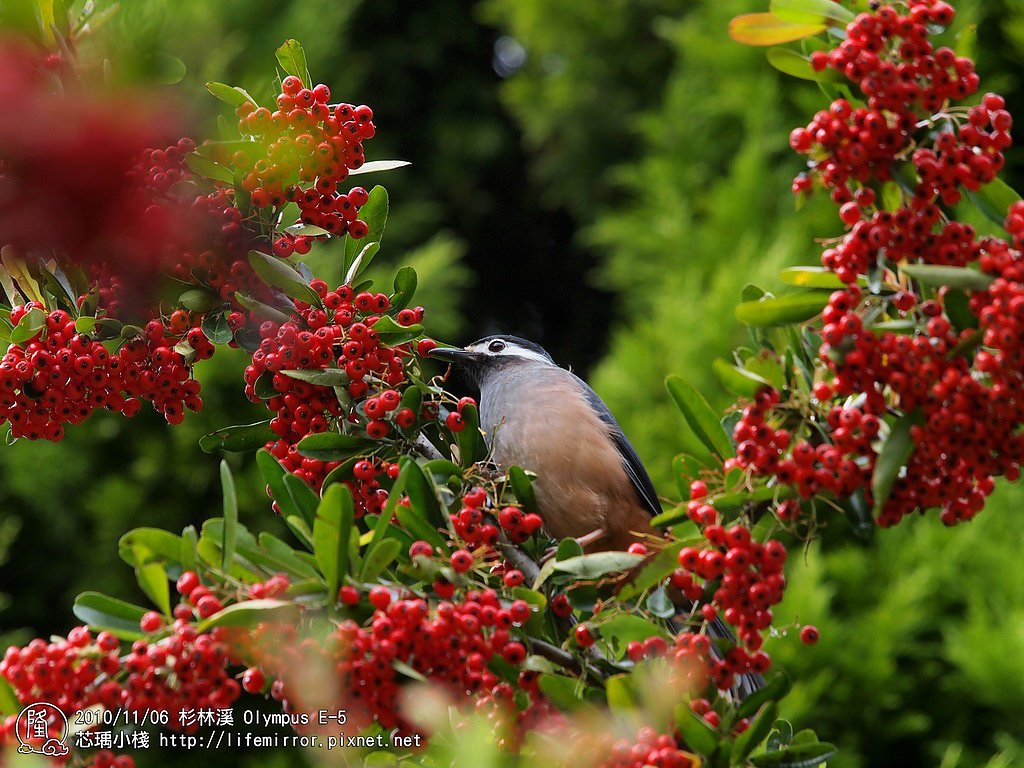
{"type": "Point", "coordinates": [511, 349]}
{"type": "Point", "coordinates": [528, 354]}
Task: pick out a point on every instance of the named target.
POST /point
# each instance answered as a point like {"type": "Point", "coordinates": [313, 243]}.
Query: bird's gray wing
{"type": "Point", "coordinates": [630, 460]}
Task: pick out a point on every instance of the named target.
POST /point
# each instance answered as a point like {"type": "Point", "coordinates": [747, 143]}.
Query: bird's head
{"type": "Point", "coordinates": [491, 354]}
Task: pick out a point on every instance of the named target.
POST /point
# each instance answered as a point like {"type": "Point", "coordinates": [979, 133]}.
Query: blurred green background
{"type": "Point", "coordinates": [603, 176]}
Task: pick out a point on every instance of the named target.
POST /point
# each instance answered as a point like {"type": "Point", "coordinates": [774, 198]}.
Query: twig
{"type": "Point", "coordinates": [554, 654]}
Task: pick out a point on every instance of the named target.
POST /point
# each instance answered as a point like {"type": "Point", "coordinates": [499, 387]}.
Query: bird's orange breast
{"type": "Point", "coordinates": [581, 484]}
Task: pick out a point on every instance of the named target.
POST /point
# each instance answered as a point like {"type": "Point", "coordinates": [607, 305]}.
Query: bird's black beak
{"type": "Point", "coordinates": [456, 356]}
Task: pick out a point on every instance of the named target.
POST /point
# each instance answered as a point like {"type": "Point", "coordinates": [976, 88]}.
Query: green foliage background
{"type": "Point", "coordinates": [610, 198]}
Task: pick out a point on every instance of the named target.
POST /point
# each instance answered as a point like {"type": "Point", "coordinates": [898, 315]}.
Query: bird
{"type": "Point", "coordinates": [591, 485]}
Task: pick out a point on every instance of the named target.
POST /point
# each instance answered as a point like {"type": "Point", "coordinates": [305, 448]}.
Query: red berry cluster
{"type": "Point", "coordinates": [697, 663]}
{"type": "Point", "coordinates": [60, 376]}
{"type": "Point", "coordinates": [889, 56]}
{"type": "Point", "coordinates": [518, 525]}
{"type": "Point", "coordinates": [305, 141]}
{"type": "Point", "coordinates": [650, 748]}
{"type": "Point", "coordinates": [185, 669]}
{"type": "Point", "coordinates": [451, 646]}
{"type": "Point", "coordinates": [335, 337]}
{"type": "Point", "coordinates": [956, 384]}
{"type": "Point", "coordinates": [749, 577]}
{"type": "Point", "coordinates": [810, 469]}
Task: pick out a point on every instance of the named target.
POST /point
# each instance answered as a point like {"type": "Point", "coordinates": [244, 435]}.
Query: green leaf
{"type": "Point", "coordinates": [653, 570]}
{"type": "Point", "coordinates": [405, 288]}
{"type": "Point", "coordinates": [377, 166]}
{"type": "Point", "coordinates": [620, 693]}
{"type": "Point", "coordinates": [332, 530]}
{"type": "Point", "coordinates": [597, 564]}
{"type": "Point", "coordinates": [811, 12]}
{"type": "Point", "coordinates": [278, 274]}
{"type": "Point", "coordinates": [994, 200]}
{"type": "Point", "coordinates": [200, 300]}
{"type": "Point", "coordinates": [766, 364]}
{"type": "Point", "coordinates": [380, 556]}
{"type": "Point", "coordinates": [561, 691]}
{"type": "Point", "coordinates": [697, 734]}
{"type": "Point", "coordinates": [292, 59]}
{"type": "Point", "coordinates": [251, 612]}
{"type": "Point", "coordinates": [781, 735]}
{"type": "Point", "coordinates": [144, 545]}
{"type": "Point", "coordinates": [333, 446]}
{"type": "Point", "coordinates": [624, 628]}
{"type": "Point", "coordinates": [278, 556]}
{"type": "Point", "coordinates": [782, 310]}
{"type": "Point", "coordinates": [375, 214]}
{"type": "Point", "coordinates": [306, 230]}
{"type": "Point", "coordinates": [522, 486]}
{"type": "Point", "coordinates": [273, 475]}
{"type": "Point", "coordinates": [215, 326]}
{"type": "Point", "coordinates": [227, 482]}
{"type": "Point", "coordinates": [322, 377]}
{"type": "Point", "coordinates": [152, 579]}
{"type": "Point", "coordinates": [240, 438]}
{"type": "Point", "coordinates": [393, 334]}
{"type": "Point", "coordinates": [31, 323]}
{"type": "Point", "coordinates": [810, 277]}
{"type": "Point", "coordinates": [892, 198]}
{"type": "Point", "coordinates": [858, 515]}
{"type": "Point", "coordinates": [259, 309]}
{"type": "Point", "coordinates": [895, 453]}
{"type": "Point", "coordinates": [470, 440]}
{"type": "Point", "coordinates": [422, 494]}
{"type": "Point", "coordinates": [230, 94]}
{"type": "Point", "coordinates": [766, 29]}
{"type": "Point", "coordinates": [955, 277]}
{"type": "Point", "coordinates": [419, 528]}
{"type": "Point", "coordinates": [789, 62]}
{"type": "Point", "coordinates": [568, 549]}
{"type": "Point", "coordinates": [958, 309]}
{"type": "Point", "coordinates": [9, 704]}
{"type": "Point", "coordinates": [737, 380]}
{"type": "Point", "coordinates": [362, 259]}
{"type": "Point", "coordinates": [109, 613]}
{"type": "Point", "coordinates": [189, 541]}
{"type": "Point", "coordinates": [755, 734]}
{"type": "Point", "coordinates": [167, 70]}
{"type": "Point", "coordinates": [443, 469]}
{"type": "Point", "coordinates": [796, 756]}
{"type": "Point", "coordinates": [774, 689]}
{"type": "Point", "coordinates": [686, 469]}
{"type": "Point", "coordinates": [305, 498]}
{"type": "Point", "coordinates": [658, 604]}
{"type": "Point", "coordinates": [699, 416]}
{"type": "Point", "coordinates": [209, 169]}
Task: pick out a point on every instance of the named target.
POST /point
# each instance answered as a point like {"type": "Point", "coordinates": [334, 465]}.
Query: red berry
{"type": "Point", "coordinates": [380, 597]}
{"type": "Point", "coordinates": [421, 548]}
{"type": "Point", "coordinates": [583, 636]}
{"type": "Point", "coordinates": [809, 635]}
{"type": "Point", "coordinates": [253, 680]}
{"type": "Point", "coordinates": [187, 582]}
{"type": "Point", "coordinates": [461, 561]}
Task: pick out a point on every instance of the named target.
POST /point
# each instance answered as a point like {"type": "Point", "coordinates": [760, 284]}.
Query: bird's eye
{"type": "Point", "coordinates": [496, 346]}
